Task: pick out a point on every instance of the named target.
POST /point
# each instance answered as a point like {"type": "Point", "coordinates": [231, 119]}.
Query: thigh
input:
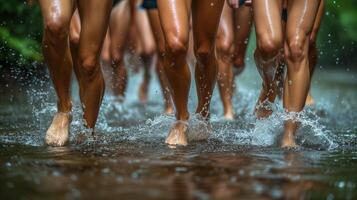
{"type": "Point", "coordinates": [75, 28]}
{"type": "Point", "coordinates": [225, 28]}
{"type": "Point", "coordinates": [156, 29]}
{"type": "Point", "coordinates": [174, 18]}
{"type": "Point", "coordinates": [145, 33]}
{"type": "Point", "coordinates": [302, 14]}
{"type": "Point", "coordinates": [206, 15]}
{"type": "Point", "coordinates": [57, 12]}
{"type": "Point", "coordinates": [119, 24]}
{"type": "Point", "coordinates": [267, 19]}
{"type": "Point", "coordinates": [317, 22]}
{"type": "Point", "coordinates": [242, 25]}
{"type": "Point", "coordinates": [94, 22]}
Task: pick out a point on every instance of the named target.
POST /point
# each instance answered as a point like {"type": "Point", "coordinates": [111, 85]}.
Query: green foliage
{"type": "Point", "coordinates": [338, 35]}
{"type": "Point", "coordinates": [20, 33]}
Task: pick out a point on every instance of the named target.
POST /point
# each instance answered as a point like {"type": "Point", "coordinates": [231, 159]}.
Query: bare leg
{"type": "Point", "coordinates": [148, 52]}
{"type": "Point", "coordinates": [224, 47]}
{"type": "Point", "coordinates": [242, 22]}
{"type": "Point", "coordinates": [313, 54]}
{"type": "Point", "coordinates": [119, 29]}
{"type": "Point", "coordinates": [160, 41]}
{"type": "Point", "coordinates": [205, 21]}
{"type": "Point", "coordinates": [267, 17]}
{"type": "Point", "coordinates": [301, 19]}
{"type": "Point", "coordinates": [174, 17]}
{"type": "Point", "coordinates": [56, 16]}
{"type": "Point", "coordinates": [94, 21]}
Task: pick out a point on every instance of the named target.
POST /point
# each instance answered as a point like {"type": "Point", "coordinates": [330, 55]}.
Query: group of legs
{"type": "Point", "coordinates": [225, 36]}
{"type": "Point", "coordinates": [293, 43]}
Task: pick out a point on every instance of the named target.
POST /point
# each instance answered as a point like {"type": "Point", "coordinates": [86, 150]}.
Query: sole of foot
{"type": "Point", "coordinates": [178, 134]}
{"type": "Point", "coordinates": [58, 132]}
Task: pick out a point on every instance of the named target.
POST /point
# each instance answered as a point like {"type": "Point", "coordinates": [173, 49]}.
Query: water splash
{"type": "Point", "coordinates": [133, 121]}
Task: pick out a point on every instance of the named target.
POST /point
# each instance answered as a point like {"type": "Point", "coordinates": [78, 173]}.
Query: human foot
{"type": "Point", "coordinates": [143, 92]}
{"type": "Point", "coordinates": [228, 114]}
{"type": "Point", "coordinates": [169, 110]}
{"type": "Point", "coordinates": [309, 100]}
{"type": "Point", "coordinates": [58, 132]}
{"type": "Point", "coordinates": [178, 134]}
{"type": "Point", "coordinates": [288, 141]}
{"type": "Point", "coordinates": [267, 95]}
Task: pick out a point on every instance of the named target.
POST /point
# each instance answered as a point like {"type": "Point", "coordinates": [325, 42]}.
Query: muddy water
{"type": "Point", "coordinates": [129, 159]}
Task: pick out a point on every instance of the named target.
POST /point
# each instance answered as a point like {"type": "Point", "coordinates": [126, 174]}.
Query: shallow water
{"type": "Point", "coordinates": [129, 158]}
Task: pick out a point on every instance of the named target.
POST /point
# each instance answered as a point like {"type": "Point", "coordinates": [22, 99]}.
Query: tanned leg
{"type": "Point", "coordinates": [119, 28]}
{"type": "Point", "coordinates": [267, 17]}
{"type": "Point", "coordinates": [94, 22]}
{"type": "Point", "coordinates": [160, 43]}
{"type": "Point", "coordinates": [55, 44]}
{"type": "Point", "coordinates": [313, 51]}
{"type": "Point", "coordinates": [301, 19]}
{"type": "Point", "coordinates": [205, 21]}
{"type": "Point", "coordinates": [174, 18]}
{"type": "Point", "coordinates": [243, 20]}
{"type": "Point", "coordinates": [224, 47]}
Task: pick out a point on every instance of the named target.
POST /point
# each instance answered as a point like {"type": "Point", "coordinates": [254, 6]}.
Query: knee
{"type": "Point", "coordinates": [224, 47]}
{"type": "Point", "coordinates": [296, 47]}
{"type": "Point", "coordinates": [269, 46]}
{"type": "Point", "coordinates": [177, 45]}
{"type": "Point", "coordinates": [149, 50]}
{"type": "Point", "coordinates": [117, 57]}
{"type": "Point", "coordinates": [239, 62]}
{"type": "Point", "coordinates": [204, 55]}
{"type": "Point", "coordinates": [89, 66]}
{"type": "Point", "coordinates": [74, 38]}
{"type": "Point", "coordinates": [56, 27]}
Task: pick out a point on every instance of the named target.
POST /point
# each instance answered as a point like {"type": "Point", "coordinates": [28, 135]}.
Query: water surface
{"type": "Point", "coordinates": [129, 158]}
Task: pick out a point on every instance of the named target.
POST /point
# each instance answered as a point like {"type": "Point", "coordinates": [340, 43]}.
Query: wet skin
{"type": "Point", "coordinates": [84, 57]}
{"type": "Point", "coordinates": [119, 24]}
{"type": "Point", "coordinates": [160, 45]}
{"type": "Point", "coordinates": [147, 52]}
{"type": "Point", "coordinates": [231, 44]}
{"type": "Point", "coordinates": [267, 16]}
{"type": "Point", "coordinates": [313, 56]}
{"type": "Point", "coordinates": [174, 17]}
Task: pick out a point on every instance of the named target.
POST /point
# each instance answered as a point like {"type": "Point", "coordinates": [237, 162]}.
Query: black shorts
{"type": "Point", "coordinates": [115, 2]}
{"type": "Point", "coordinates": [149, 4]}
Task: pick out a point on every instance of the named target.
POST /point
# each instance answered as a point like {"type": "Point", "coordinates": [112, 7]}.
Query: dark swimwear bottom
{"type": "Point", "coordinates": [115, 2]}
{"type": "Point", "coordinates": [284, 15]}
{"type": "Point", "coordinates": [149, 4]}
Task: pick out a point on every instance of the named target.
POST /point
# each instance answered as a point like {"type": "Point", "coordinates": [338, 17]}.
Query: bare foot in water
{"type": "Point", "coordinates": [178, 134]}
{"type": "Point", "coordinates": [58, 133]}
{"type": "Point", "coordinates": [267, 95]}
{"type": "Point", "coordinates": [288, 140]}
{"type": "Point", "coordinates": [143, 92]}
{"type": "Point", "coordinates": [309, 100]}
{"type": "Point", "coordinates": [228, 115]}
{"type": "Point", "coordinates": [169, 110]}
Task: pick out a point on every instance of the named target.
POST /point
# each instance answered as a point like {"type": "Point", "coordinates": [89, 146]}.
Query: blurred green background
{"type": "Point", "coordinates": [21, 32]}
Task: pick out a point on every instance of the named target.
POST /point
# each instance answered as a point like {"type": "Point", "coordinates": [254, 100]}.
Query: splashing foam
{"type": "Point", "coordinates": [132, 121]}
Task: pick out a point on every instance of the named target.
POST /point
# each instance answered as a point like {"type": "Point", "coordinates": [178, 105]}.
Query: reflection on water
{"type": "Point", "coordinates": [129, 158]}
